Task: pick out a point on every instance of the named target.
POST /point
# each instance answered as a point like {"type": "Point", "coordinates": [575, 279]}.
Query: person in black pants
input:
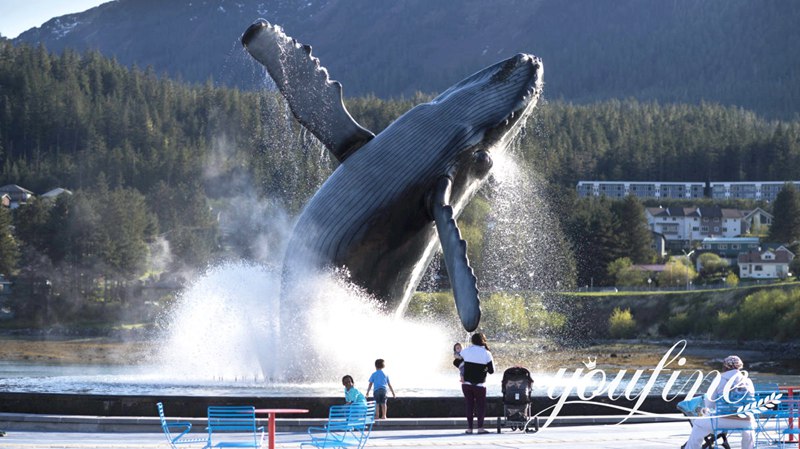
{"type": "Point", "coordinates": [477, 363]}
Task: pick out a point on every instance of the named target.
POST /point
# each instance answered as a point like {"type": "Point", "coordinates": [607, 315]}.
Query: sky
{"type": "Point", "coordinates": [17, 16]}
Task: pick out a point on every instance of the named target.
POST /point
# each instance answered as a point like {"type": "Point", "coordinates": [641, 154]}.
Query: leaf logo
{"type": "Point", "coordinates": [760, 406]}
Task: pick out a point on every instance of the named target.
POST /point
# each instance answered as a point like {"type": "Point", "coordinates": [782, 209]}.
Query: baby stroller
{"type": "Point", "coordinates": [516, 387]}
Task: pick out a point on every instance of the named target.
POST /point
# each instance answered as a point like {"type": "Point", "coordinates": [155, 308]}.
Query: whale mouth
{"type": "Point", "coordinates": [528, 99]}
{"type": "Point", "coordinates": [253, 30]}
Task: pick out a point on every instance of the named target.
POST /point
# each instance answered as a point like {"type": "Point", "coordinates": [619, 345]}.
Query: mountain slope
{"type": "Point", "coordinates": [737, 52]}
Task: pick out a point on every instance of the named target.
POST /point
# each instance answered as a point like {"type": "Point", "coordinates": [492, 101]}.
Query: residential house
{"type": "Point", "coordinates": [766, 264]}
{"type": "Point", "coordinates": [53, 194]}
{"type": "Point", "coordinates": [17, 195]}
{"type": "Point", "coordinates": [729, 247]}
{"type": "Point", "coordinates": [682, 226]}
{"type": "Point", "coordinates": [750, 190]}
{"type": "Point", "coordinates": [646, 189]}
{"type": "Point", "coordinates": [758, 220]}
{"type": "Point", "coordinates": [659, 244]}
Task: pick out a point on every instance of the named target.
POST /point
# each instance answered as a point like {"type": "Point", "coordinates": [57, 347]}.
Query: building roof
{"type": "Point", "coordinates": [55, 192]}
{"type": "Point", "coordinates": [652, 268]}
{"type": "Point", "coordinates": [673, 211]}
{"type": "Point", "coordinates": [757, 210]}
{"type": "Point", "coordinates": [704, 211]}
{"type": "Point", "coordinates": [13, 188]}
{"type": "Point", "coordinates": [730, 240]}
{"type": "Point", "coordinates": [782, 255]}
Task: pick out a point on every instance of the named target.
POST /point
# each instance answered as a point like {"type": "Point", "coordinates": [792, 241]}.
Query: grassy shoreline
{"type": "Point", "coordinates": [537, 355]}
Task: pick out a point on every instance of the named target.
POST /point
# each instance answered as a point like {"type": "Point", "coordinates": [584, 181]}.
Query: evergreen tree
{"type": "Point", "coordinates": [9, 250]}
{"type": "Point", "coordinates": [785, 226]}
{"type": "Point", "coordinates": [30, 223]}
{"type": "Point", "coordinates": [592, 232]}
{"type": "Point", "coordinates": [634, 235]}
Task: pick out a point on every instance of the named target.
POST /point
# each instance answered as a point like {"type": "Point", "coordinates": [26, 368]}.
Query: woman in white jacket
{"type": "Point", "coordinates": [477, 363]}
{"type": "Point", "coordinates": [735, 384]}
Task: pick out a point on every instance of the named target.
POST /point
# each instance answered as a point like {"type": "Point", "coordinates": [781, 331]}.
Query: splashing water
{"type": "Point", "coordinates": [224, 328]}
{"type": "Point", "coordinates": [526, 249]}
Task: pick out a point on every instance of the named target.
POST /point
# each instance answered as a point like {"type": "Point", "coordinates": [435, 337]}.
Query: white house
{"type": "Point", "coordinates": [683, 225]}
{"type": "Point", "coordinates": [769, 264]}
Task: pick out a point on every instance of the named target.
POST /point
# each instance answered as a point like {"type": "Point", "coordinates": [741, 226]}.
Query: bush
{"type": "Point", "coordinates": [439, 306]}
{"type": "Point", "coordinates": [503, 314]}
{"type": "Point", "coordinates": [621, 324]}
{"type": "Point", "coordinates": [679, 324]}
{"type": "Point", "coordinates": [543, 321]}
{"type": "Point", "coordinates": [765, 315]}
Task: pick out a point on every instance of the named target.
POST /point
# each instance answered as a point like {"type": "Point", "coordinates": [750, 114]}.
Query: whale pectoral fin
{"type": "Point", "coordinates": [454, 249]}
{"type": "Point", "coordinates": [315, 100]}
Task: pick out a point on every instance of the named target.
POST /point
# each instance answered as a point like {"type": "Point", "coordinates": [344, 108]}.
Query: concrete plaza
{"type": "Point", "coordinates": [647, 435]}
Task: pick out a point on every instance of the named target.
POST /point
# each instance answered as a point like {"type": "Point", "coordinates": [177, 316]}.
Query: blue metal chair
{"type": "Point", "coordinates": [233, 426]}
{"type": "Point", "coordinates": [728, 418]}
{"type": "Point", "coordinates": [183, 427]}
{"type": "Point", "coordinates": [348, 426]}
{"type": "Point", "coordinates": [767, 421]}
{"type": "Point", "coordinates": [789, 412]}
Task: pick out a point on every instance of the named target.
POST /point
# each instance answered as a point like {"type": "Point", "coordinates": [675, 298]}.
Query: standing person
{"type": "Point", "coordinates": [458, 361]}
{"type": "Point", "coordinates": [351, 394]}
{"type": "Point", "coordinates": [381, 381]}
{"type": "Point", "coordinates": [477, 362]}
{"type": "Point", "coordinates": [736, 384]}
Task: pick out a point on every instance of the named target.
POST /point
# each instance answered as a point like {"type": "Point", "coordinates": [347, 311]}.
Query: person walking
{"type": "Point", "coordinates": [477, 363]}
{"type": "Point", "coordinates": [381, 382]}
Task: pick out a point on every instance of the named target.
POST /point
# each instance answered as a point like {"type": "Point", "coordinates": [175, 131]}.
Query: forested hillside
{"type": "Point", "coordinates": [731, 52]}
{"type": "Point", "coordinates": [201, 173]}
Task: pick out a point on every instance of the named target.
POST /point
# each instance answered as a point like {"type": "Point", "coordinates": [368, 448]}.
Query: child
{"type": "Point", "coordinates": [351, 394]}
{"type": "Point", "coordinates": [381, 381]}
{"type": "Point", "coordinates": [458, 361]}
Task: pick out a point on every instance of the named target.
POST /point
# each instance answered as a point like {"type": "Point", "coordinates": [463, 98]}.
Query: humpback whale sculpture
{"type": "Point", "coordinates": [379, 213]}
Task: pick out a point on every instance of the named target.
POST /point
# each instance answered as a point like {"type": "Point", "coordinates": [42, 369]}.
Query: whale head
{"type": "Point", "coordinates": [489, 108]}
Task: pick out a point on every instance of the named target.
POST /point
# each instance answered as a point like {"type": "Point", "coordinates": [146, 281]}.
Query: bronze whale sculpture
{"type": "Point", "coordinates": [378, 215]}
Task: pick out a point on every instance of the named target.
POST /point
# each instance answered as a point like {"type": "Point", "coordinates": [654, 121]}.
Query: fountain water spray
{"type": "Point", "coordinates": [224, 328]}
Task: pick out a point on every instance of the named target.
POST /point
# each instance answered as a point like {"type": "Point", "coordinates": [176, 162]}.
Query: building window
{"type": "Point", "coordinates": [758, 268]}
{"type": "Point", "coordinates": [695, 228]}
{"type": "Point", "coordinates": [716, 228]}
{"type": "Point", "coordinates": [704, 229]}
{"type": "Point", "coordinates": [735, 246]}
{"type": "Point", "coordinates": [723, 246]}
{"type": "Point", "coordinates": [724, 229]}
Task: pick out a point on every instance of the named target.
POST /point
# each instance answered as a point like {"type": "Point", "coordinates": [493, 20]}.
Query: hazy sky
{"type": "Point", "coordinates": [17, 16]}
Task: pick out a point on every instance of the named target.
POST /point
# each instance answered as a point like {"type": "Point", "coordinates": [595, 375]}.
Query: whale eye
{"type": "Point", "coordinates": [482, 162]}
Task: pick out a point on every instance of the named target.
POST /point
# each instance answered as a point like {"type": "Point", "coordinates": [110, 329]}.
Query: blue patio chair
{"type": "Point", "coordinates": [767, 421]}
{"type": "Point", "coordinates": [182, 427]}
{"type": "Point", "coordinates": [233, 426]}
{"type": "Point", "coordinates": [725, 409]}
{"type": "Point", "coordinates": [789, 409]}
{"type": "Point", "coordinates": [348, 426]}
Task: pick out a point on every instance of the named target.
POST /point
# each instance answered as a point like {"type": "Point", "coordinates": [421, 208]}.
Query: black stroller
{"type": "Point", "coordinates": [516, 387]}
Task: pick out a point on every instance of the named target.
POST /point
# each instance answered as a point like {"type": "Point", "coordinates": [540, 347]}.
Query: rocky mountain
{"type": "Point", "coordinates": [739, 52]}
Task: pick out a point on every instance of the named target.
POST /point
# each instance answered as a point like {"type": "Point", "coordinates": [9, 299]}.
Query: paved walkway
{"type": "Point", "coordinates": [647, 435]}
